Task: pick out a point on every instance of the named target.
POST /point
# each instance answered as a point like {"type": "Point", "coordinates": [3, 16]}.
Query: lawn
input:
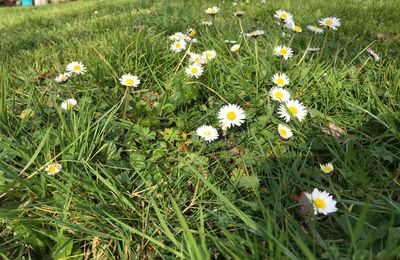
{"type": "Point", "coordinates": [136, 179]}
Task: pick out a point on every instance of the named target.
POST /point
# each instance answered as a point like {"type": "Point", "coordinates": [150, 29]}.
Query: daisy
{"type": "Point", "coordinates": [196, 58]}
{"type": "Point", "coordinates": [176, 36]}
{"type": "Point", "coordinates": [235, 48]}
{"type": "Point", "coordinates": [76, 67]}
{"type": "Point", "coordinates": [313, 49]}
{"type": "Point", "coordinates": [231, 115]}
{"type": "Point", "coordinates": [212, 10]}
{"type": "Point", "coordinates": [374, 54]}
{"type": "Point", "coordinates": [283, 15]}
{"type": "Point", "coordinates": [280, 79]}
{"type": "Point", "coordinates": [53, 168]}
{"type": "Point", "coordinates": [330, 22]}
{"type": "Point", "coordinates": [283, 51]}
{"type": "Point", "coordinates": [238, 13]}
{"type": "Point", "coordinates": [209, 55]}
{"type": "Point", "coordinates": [292, 108]}
{"type": "Point", "coordinates": [255, 34]}
{"type": "Point", "coordinates": [129, 80]}
{"type": "Point", "coordinates": [284, 131]}
{"type": "Point", "coordinates": [315, 29]}
{"type": "Point", "coordinates": [279, 94]}
{"type": "Point", "coordinates": [194, 70]}
{"type": "Point", "coordinates": [206, 23]}
{"type": "Point", "coordinates": [322, 202]}
{"type": "Point", "coordinates": [207, 132]}
{"type": "Point", "coordinates": [297, 28]}
{"type": "Point", "coordinates": [63, 77]}
{"type": "Point", "coordinates": [69, 104]}
{"type": "Point", "coordinates": [178, 46]}
{"type": "Point", "coordinates": [326, 168]}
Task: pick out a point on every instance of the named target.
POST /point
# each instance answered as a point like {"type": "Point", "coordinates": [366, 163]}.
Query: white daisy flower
{"type": "Point", "coordinates": [292, 108]}
{"type": "Point", "coordinates": [209, 55]}
{"type": "Point", "coordinates": [238, 13]}
{"type": "Point", "coordinates": [235, 48]}
{"type": "Point", "coordinates": [194, 70]}
{"type": "Point", "coordinates": [196, 58]}
{"type": "Point", "coordinates": [284, 131]}
{"type": "Point", "coordinates": [207, 132]}
{"type": "Point", "coordinates": [322, 202]}
{"type": "Point", "coordinates": [279, 94]}
{"type": "Point", "coordinates": [280, 79]}
{"type": "Point", "coordinates": [311, 49]}
{"type": "Point", "coordinates": [326, 168]}
{"type": "Point", "coordinates": [283, 51]}
{"type": "Point", "coordinates": [231, 115]}
{"type": "Point", "coordinates": [212, 10]}
{"type": "Point", "coordinates": [315, 29]}
{"type": "Point", "coordinates": [76, 67]}
{"type": "Point", "coordinates": [206, 23]}
{"type": "Point", "coordinates": [374, 54]}
{"type": "Point", "coordinates": [69, 104]}
{"type": "Point", "coordinates": [330, 22]}
{"type": "Point", "coordinates": [53, 168]}
{"type": "Point", "coordinates": [129, 80]}
{"type": "Point", "coordinates": [63, 77]}
{"type": "Point", "coordinates": [283, 15]}
{"type": "Point", "coordinates": [297, 28]}
{"type": "Point", "coordinates": [176, 36]}
{"type": "Point", "coordinates": [255, 34]}
{"type": "Point", "coordinates": [178, 46]}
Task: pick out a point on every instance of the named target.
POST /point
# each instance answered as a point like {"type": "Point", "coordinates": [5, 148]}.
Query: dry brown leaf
{"type": "Point", "coordinates": [235, 150]}
{"type": "Point", "coordinates": [46, 75]}
{"type": "Point", "coordinates": [333, 130]}
{"type": "Point", "coordinates": [305, 206]}
{"type": "Point", "coordinates": [184, 146]}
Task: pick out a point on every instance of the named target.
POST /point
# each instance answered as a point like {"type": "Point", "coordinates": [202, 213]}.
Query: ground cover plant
{"type": "Point", "coordinates": [248, 135]}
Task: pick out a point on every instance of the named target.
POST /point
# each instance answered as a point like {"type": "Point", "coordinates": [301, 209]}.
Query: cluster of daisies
{"type": "Point", "coordinates": [232, 115]}
{"type": "Point", "coordinates": [76, 68]}
{"type": "Point", "coordinates": [127, 80]}
{"type": "Point", "coordinates": [287, 21]}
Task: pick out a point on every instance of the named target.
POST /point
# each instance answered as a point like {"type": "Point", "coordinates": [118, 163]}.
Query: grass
{"type": "Point", "coordinates": [136, 181]}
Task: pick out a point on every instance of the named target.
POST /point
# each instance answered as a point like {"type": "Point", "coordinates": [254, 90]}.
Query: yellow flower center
{"type": "Point", "coordinates": [319, 203]}
{"type": "Point", "coordinates": [283, 16]}
{"type": "Point", "coordinates": [194, 70]}
{"type": "Point", "coordinates": [315, 28]}
{"type": "Point", "coordinates": [282, 132]}
{"type": "Point", "coordinates": [63, 77]}
{"type": "Point", "coordinates": [207, 133]}
{"type": "Point", "coordinates": [52, 169]}
{"type": "Point", "coordinates": [209, 55]}
{"type": "Point", "coordinates": [177, 45]}
{"type": "Point", "coordinates": [77, 67]}
{"type": "Point", "coordinates": [293, 110]}
{"type": "Point", "coordinates": [231, 115]}
{"type": "Point", "coordinates": [278, 95]}
{"type": "Point", "coordinates": [326, 168]}
{"type": "Point", "coordinates": [212, 11]}
{"type": "Point", "coordinates": [280, 81]}
{"type": "Point", "coordinates": [70, 106]}
{"type": "Point", "coordinates": [329, 22]}
{"type": "Point", "coordinates": [297, 28]}
{"type": "Point", "coordinates": [283, 51]}
{"type": "Point", "coordinates": [129, 81]}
